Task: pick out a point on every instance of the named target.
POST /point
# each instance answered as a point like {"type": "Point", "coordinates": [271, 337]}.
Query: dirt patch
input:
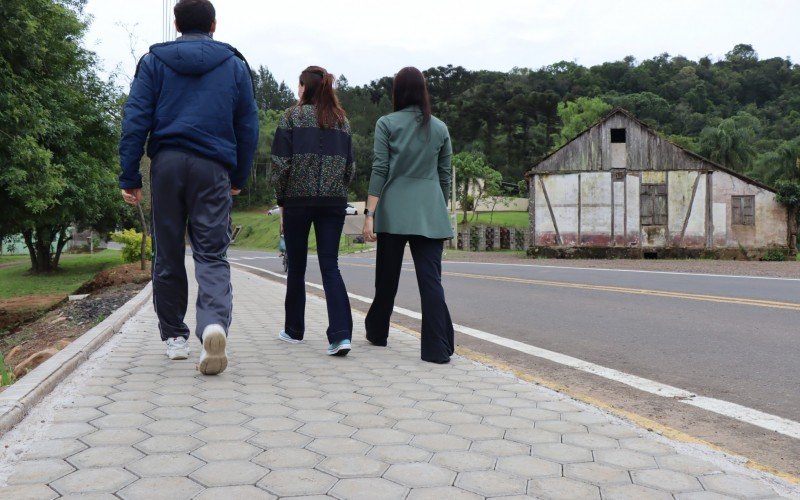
{"type": "Point", "coordinates": [129, 273]}
{"type": "Point", "coordinates": [18, 310]}
{"type": "Point", "coordinates": [785, 269]}
{"type": "Point", "coordinates": [30, 344]}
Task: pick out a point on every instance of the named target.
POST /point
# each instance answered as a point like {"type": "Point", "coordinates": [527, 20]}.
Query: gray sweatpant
{"type": "Point", "coordinates": [190, 193]}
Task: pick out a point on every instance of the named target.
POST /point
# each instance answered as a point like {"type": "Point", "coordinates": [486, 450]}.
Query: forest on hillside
{"type": "Point", "coordinates": [740, 111]}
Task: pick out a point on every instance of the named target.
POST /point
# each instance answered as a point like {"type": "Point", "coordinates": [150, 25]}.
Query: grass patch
{"type": "Point", "coordinates": [508, 219]}
{"type": "Point", "coordinates": [16, 281]}
{"type": "Point", "coordinates": [453, 254]}
{"type": "Point", "coordinates": [6, 259]}
{"type": "Point", "coordinates": [6, 377]}
{"type": "Point", "coordinates": [262, 232]}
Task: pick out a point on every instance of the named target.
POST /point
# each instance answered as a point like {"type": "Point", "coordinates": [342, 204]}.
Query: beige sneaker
{"type": "Point", "coordinates": [213, 359]}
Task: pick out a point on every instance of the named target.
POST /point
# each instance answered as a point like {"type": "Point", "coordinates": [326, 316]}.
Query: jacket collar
{"type": "Point", "coordinates": [195, 36]}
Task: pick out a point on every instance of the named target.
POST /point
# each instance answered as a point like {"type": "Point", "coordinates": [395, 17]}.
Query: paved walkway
{"type": "Point", "coordinates": [287, 421]}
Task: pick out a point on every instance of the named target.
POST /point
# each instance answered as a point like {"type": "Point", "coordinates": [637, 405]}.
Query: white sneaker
{"type": "Point", "coordinates": [177, 348]}
{"type": "Point", "coordinates": [213, 359]}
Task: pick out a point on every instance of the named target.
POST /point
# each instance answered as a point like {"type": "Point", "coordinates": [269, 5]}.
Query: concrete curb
{"type": "Point", "coordinates": [17, 400]}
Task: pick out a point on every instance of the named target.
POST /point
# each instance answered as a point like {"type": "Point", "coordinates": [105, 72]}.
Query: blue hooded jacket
{"type": "Point", "coordinates": [195, 95]}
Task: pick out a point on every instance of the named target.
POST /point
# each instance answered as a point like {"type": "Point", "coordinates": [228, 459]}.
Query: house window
{"type": "Point", "coordinates": [653, 204]}
{"type": "Point", "coordinates": [617, 135]}
{"type": "Point", "coordinates": [743, 210]}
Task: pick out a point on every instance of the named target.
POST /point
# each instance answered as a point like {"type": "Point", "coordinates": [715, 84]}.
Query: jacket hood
{"type": "Point", "coordinates": [193, 57]}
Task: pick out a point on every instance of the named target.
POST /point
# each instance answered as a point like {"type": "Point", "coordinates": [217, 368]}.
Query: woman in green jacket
{"type": "Point", "coordinates": [407, 203]}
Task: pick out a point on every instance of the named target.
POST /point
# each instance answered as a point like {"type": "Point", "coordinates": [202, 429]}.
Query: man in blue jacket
{"type": "Point", "coordinates": [192, 103]}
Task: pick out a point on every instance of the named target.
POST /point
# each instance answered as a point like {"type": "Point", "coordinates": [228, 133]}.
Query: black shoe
{"type": "Point", "coordinates": [377, 343]}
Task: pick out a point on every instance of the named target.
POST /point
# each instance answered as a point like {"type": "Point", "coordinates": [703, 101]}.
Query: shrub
{"type": "Point", "coordinates": [774, 255]}
{"type": "Point", "coordinates": [6, 377]}
{"type": "Point", "coordinates": [131, 242]}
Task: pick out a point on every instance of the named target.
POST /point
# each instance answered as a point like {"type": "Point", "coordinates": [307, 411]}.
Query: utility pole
{"type": "Point", "coordinates": [169, 32]}
{"type": "Point", "coordinates": [453, 215]}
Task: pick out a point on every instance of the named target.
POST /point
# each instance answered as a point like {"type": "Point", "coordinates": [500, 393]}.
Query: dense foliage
{"type": "Point", "coordinates": [59, 121]}
{"type": "Point", "coordinates": [741, 111]}
{"type": "Point", "coordinates": [58, 129]}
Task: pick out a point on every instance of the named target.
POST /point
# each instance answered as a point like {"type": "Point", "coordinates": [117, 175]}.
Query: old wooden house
{"type": "Point", "coordinates": [619, 188]}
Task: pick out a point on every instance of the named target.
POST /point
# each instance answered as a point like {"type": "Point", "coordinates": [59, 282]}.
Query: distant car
{"type": "Point", "coordinates": [274, 210]}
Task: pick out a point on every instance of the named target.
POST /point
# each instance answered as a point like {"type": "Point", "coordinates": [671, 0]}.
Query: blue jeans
{"type": "Point", "coordinates": [328, 223]}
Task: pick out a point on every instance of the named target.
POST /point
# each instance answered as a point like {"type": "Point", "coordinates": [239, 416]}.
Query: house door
{"type": "Point", "coordinates": [653, 211]}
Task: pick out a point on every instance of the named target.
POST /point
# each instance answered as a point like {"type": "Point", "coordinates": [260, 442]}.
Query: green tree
{"type": "Point", "coordinates": [781, 163]}
{"type": "Point", "coordinates": [271, 95]}
{"type": "Point", "coordinates": [259, 190]}
{"type": "Point", "coordinates": [578, 115]}
{"type": "Point", "coordinates": [475, 178]}
{"type": "Point", "coordinates": [789, 196]}
{"type": "Point", "coordinates": [58, 122]}
{"type": "Point", "coordinates": [732, 142]}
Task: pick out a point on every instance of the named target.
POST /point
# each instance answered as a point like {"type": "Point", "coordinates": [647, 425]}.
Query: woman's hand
{"type": "Point", "coordinates": [369, 232]}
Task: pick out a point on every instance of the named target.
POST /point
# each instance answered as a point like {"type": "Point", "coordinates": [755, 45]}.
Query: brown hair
{"type": "Point", "coordinates": [318, 90]}
{"type": "Point", "coordinates": [409, 89]}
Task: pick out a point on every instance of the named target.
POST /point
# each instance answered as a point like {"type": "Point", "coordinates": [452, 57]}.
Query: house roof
{"type": "Point", "coordinates": [629, 115]}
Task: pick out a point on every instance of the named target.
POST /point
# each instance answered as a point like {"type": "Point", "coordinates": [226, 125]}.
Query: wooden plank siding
{"type": "Point", "coordinates": [649, 194]}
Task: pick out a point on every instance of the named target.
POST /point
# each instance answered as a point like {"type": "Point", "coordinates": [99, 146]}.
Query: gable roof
{"type": "Point", "coordinates": [649, 129]}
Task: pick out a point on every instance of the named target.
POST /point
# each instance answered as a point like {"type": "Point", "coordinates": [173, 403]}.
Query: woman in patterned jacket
{"type": "Point", "coordinates": [312, 159]}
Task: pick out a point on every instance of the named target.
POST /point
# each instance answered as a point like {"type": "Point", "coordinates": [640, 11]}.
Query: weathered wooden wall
{"type": "Point", "coordinates": [591, 151]}
{"type": "Point", "coordinates": [588, 194]}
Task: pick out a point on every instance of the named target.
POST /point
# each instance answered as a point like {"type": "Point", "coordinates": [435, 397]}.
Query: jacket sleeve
{"type": "Point", "coordinates": [246, 129]}
{"type": "Point", "coordinates": [445, 167]}
{"type": "Point", "coordinates": [380, 164]}
{"type": "Point", "coordinates": [137, 123]}
{"type": "Point", "coordinates": [282, 157]}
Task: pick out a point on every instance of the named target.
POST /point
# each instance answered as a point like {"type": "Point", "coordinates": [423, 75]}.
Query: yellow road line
{"type": "Point", "coordinates": [792, 306]}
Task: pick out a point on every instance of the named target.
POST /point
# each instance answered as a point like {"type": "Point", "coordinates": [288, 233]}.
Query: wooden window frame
{"type": "Point", "coordinates": [648, 196]}
{"type": "Point", "coordinates": [743, 210]}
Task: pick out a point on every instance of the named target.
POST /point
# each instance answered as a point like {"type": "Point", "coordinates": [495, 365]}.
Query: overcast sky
{"type": "Point", "coordinates": [365, 40]}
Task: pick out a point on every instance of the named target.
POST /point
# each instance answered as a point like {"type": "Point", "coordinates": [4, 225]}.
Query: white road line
{"type": "Point", "coordinates": [732, 410]}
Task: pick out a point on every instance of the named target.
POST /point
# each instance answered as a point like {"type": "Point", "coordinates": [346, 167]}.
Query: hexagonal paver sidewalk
{"type": "Point", "coordinates": [287, 420]}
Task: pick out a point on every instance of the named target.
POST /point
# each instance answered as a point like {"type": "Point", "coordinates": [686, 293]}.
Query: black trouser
{"type": "Point", "coordinates": [328, 223]}
{"type": "Point", "coordinates": [437, 327]}
{"type": "Point", "coordinates": [191, 192]}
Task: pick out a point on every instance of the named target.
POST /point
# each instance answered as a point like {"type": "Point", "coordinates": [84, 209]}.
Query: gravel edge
{"type": "Point", "coordinates": [17, 400]}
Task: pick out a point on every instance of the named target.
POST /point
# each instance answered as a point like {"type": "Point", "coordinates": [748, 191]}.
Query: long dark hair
{"type": "Point", "coordinates": [410, 89]}
{"type": "Point", "coordinates": [318, 90]}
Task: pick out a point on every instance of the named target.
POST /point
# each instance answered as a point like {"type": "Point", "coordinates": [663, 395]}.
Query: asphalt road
{"type": "Point", "coordinates": [736, 339]}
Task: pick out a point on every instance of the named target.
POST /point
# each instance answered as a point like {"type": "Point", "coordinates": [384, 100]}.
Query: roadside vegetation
{"type": "Point", "coordinates": [262, 232]}
{"type": "Point", "coordinates": [507, 219]}
{"type": "Point", "coordinates": [18, 280]}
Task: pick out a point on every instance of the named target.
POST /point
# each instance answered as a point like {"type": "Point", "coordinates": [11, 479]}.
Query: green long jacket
{"type": "Point", "coordinates": [411, 175]}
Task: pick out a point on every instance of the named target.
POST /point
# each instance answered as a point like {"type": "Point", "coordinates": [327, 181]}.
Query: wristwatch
{"type": "Point", "coordinates": [367, 213]}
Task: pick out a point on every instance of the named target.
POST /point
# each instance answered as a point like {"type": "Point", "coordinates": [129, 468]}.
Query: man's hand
{"type": "Point", "coordinates": [132, 196]}
{"type": "Point", "coordinates": [235, 191]}
{"type": "Point", "coordinates": [369, 233]}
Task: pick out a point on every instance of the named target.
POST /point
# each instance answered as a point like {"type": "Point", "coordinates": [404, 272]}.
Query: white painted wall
{"type": "Point", "coordinates": [770, 216]}
{"type": "Point", "coordinates": [633, 188]}
{"type": "Point", "coordinates": [595, 204]}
